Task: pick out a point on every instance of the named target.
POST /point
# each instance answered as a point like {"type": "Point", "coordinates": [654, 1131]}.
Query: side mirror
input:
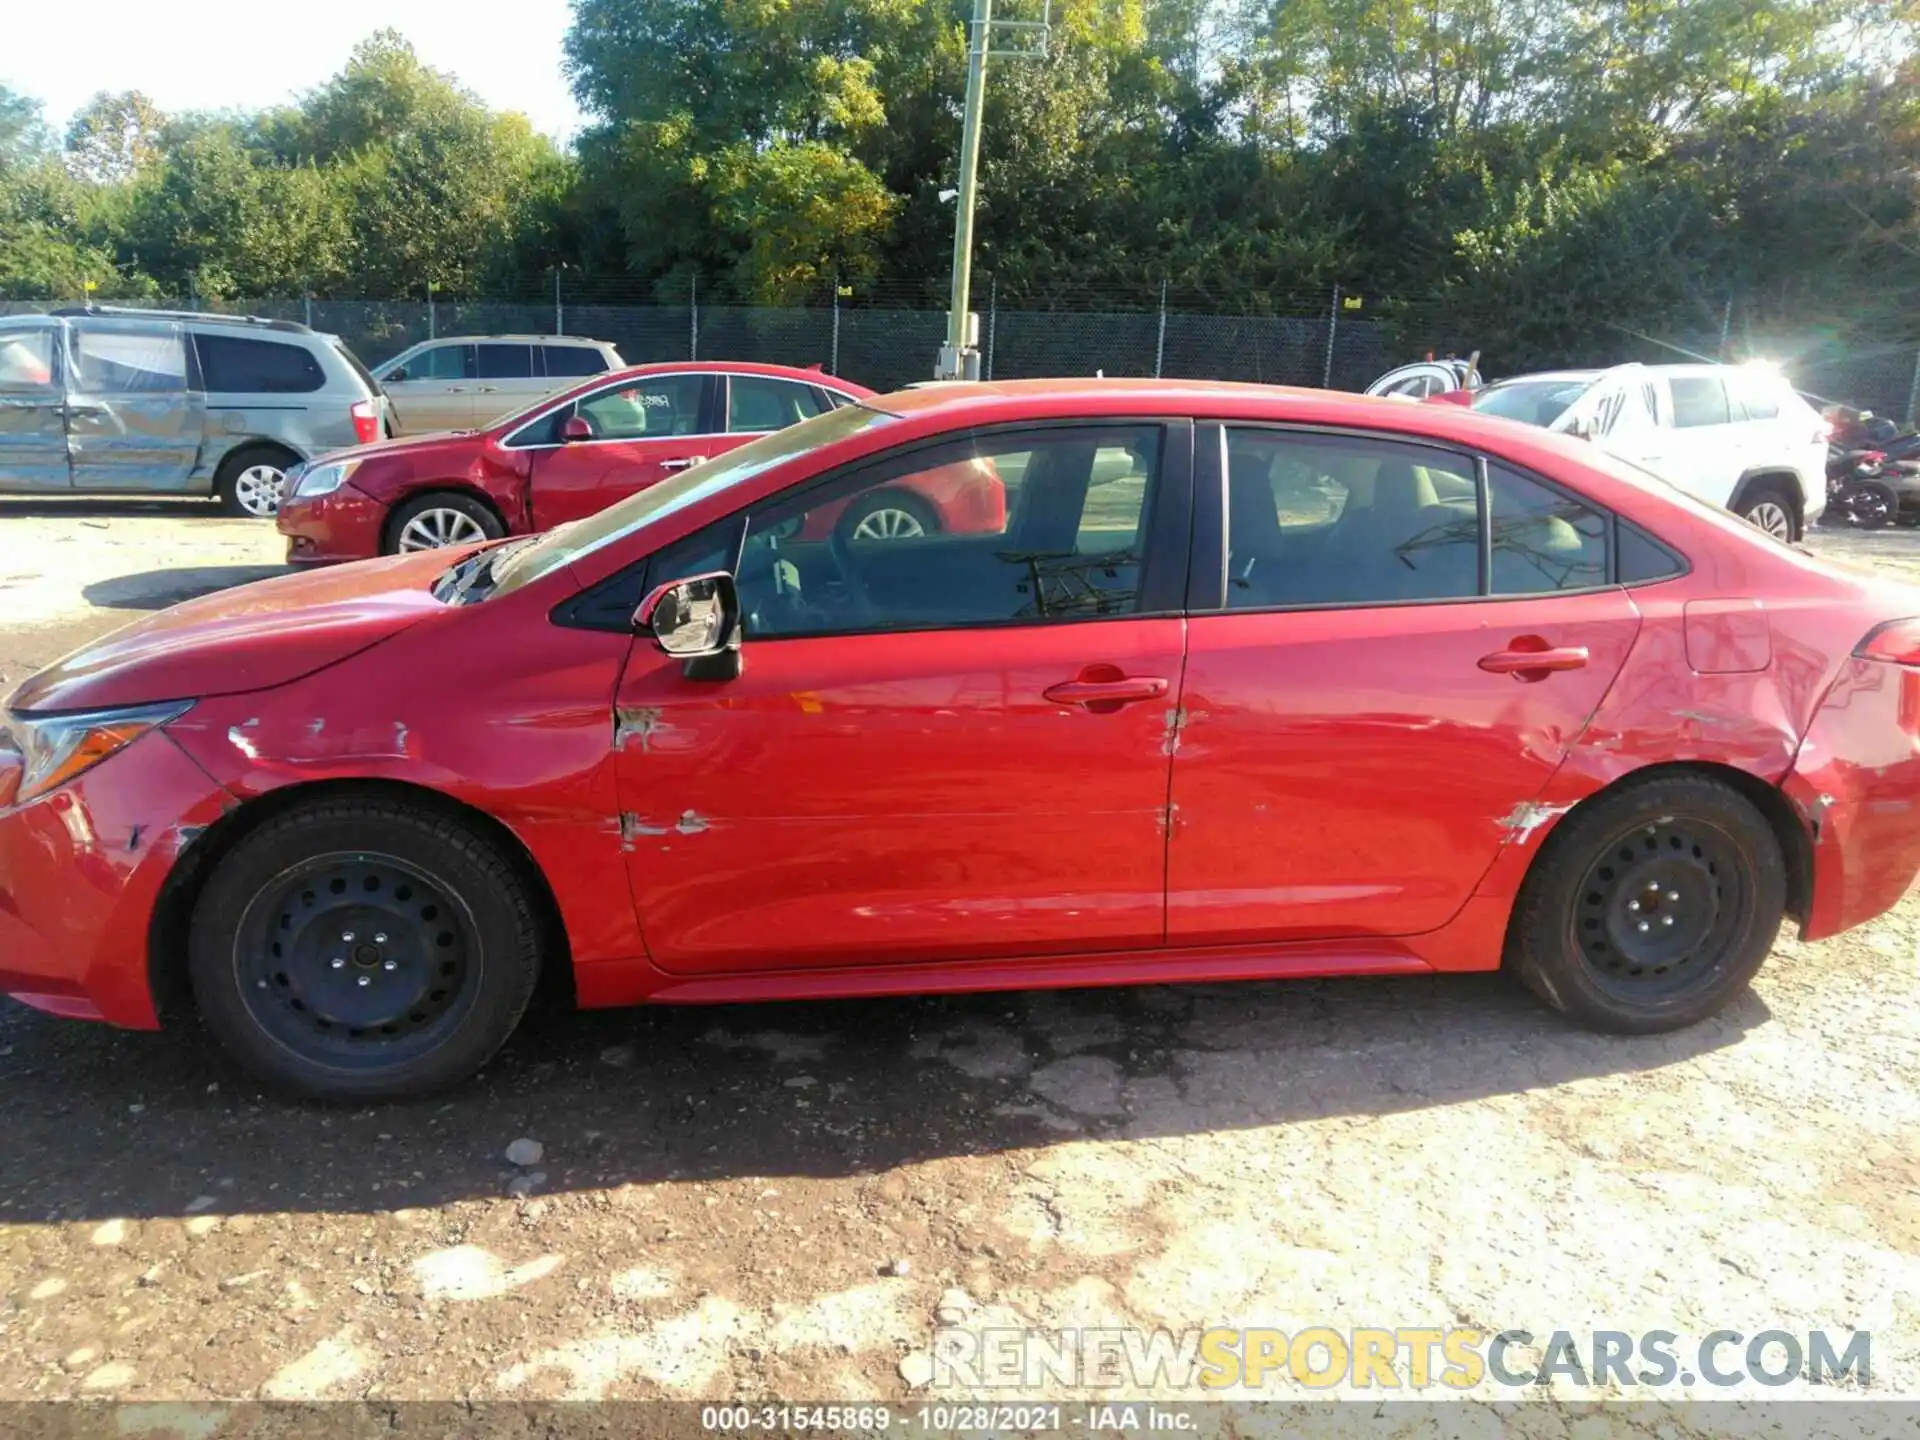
{"type": "Point", "coordinates": [697, 620]}
{"type": "Point", "coordinates": [395, 375]}
{"type": "Point", "coordinates": [575, 427]}
{"type": "Point", "coordinates": [1583, 428]}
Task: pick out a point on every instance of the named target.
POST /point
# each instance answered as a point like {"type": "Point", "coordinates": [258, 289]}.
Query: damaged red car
{"type": "Point", "coordinates": [565, 457]}
{"type": "Point", "coordinates": [1242, 683]}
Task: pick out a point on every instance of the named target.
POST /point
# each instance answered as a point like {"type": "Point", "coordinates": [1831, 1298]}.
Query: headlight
{"type": "Point", "coordinates": [52, 749]}
{"type": "Point", "coordinates": [324, 479]}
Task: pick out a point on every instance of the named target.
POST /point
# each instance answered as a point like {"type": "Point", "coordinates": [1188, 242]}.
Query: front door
{"type": "Point", "coordinates": [640, 430]}
{"type": "Point", "coordinates": [433, 389]}
{"type": "Point", "coordinates": [1366, 718]}
{"type": "Point", "coordinates": [133, 422]}
{"type": "Point", "coordinates": [33, 412]}
{"type": "Point", "coordinates": [949, 746]}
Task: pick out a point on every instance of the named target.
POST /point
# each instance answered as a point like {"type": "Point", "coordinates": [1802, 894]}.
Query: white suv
{"type": "Point", "coordinates": [1733, 435]}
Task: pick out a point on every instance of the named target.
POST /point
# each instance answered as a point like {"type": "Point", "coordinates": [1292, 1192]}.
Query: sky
{"type": "Point", "coordinates": [246, 54]}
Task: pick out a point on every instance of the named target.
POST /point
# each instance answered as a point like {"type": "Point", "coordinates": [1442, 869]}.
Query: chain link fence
{"type": "Point", "coordinates": [886, 345]}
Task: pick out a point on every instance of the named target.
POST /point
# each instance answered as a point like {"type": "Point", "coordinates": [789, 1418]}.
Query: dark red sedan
{"type": "Point", "coordinates": [1245, 682]}
{"type": "Point", "coordinates": [558, 460]}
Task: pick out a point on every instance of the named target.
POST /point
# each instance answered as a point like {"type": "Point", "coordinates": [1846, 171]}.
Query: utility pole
{"type": "Point", "coordinates": [959, 360]}
{"type": "Point", "coordinates": [960, 357]}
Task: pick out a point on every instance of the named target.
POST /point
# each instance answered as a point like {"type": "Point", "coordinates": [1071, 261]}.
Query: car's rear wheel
{"type": "Point", "coordinates": [889, 515]}
{"type": "Point", "coordinates": [433, 522]}
{"type": "Point", "coordinates": [252, 481]}
{"type": "Point", "coordinates": [1768, 508]}
{"type": "Point", "coordinates": [363, 949]}
{"type": "Point", "coordinates": [1652, 907]}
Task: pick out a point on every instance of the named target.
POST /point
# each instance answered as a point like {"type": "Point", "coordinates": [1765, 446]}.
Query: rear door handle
{"type": "Point", "coordinates": [1530, 658]}
{"type": "Point", "coordinates": [682, 463]}
{"type": "Point", "coordinates": [1106, 694]}
{"type": "Point", "coordinates": [86, 407]}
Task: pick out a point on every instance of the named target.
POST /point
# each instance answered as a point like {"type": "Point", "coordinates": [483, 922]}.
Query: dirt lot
{"type": "Point", "coordinates": [780, 1201]}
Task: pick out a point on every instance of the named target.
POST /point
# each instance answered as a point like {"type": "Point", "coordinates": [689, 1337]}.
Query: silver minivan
{"type": "Point", "coordinates": [462, 382]}
{"type": "Point", "coordinates": [100, 401]}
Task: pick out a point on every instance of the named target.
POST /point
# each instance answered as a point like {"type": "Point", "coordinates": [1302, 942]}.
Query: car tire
{"type": "Point", "coordinates": [443, 518]}
{"type": "Point", "coordinates": [252, 481]}
{"type": "Point", "coordinates": [1650, 907]}
{"type": "Point", "coordinates": [888, 515]}
{"type": "Point", "coordinates": [363, 948]}
{"type": "Point", "coordinates": [1770, 509]}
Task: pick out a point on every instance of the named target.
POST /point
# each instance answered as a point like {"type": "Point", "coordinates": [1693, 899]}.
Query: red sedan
{"type": "Point", "coordinates": [577, 452]}
{"type": "Point", "coordinates": [1246, 683]}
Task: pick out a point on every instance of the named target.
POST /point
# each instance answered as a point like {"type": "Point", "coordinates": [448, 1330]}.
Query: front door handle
{"type": "Point", "coordinates": [1531, 658]}
{"type": "Point", "coordinates": [682, 463]}
{"type": "Point", "coordinates": [1104, 696]}
{"type": "Point", "coordinates": [86, 407]}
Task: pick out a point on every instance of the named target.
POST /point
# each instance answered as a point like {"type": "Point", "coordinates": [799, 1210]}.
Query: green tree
{"type": "Point", "coordinates": [114, 137]}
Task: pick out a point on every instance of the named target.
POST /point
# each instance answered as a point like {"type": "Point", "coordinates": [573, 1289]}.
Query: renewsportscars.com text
{"type": "Point", "coordinates": [1229, 1361]}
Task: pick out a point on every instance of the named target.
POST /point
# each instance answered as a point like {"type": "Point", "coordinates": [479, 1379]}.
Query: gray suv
{"type": "Point", "coordinates": [98, 401]}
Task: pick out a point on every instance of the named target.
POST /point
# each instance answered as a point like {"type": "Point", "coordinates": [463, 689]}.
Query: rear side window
{"type": "Point", "coordinates": [1698, 400]}
{"type": "Point", "coordinates": [237, 365]}
{"type": "Point", "coordinates": [758, 402]}
{"type": "Point", "coordinates": [567, 360]}
{"type": "Point", "coordinates": [506, 362]}
{"type": "Point", "coordinates": [1758, 396]}
{"type": "Point", "coordinates": [1543, 539]}
{"type": "Point", "coordinates": [1323, 520]}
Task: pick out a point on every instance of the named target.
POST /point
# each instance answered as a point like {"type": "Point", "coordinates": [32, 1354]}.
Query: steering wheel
{"type": "Point", "coordinates": [839, 547]}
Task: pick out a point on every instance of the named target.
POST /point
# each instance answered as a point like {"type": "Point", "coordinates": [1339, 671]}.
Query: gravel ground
{"type": "Point", "coordinates": [782, 1201]}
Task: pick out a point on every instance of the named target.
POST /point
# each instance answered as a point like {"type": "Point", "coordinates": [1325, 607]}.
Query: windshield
{"type": "Point", "coordinates": [1533, 402]}
{"type": "Point", "coordinates": [581, 538]}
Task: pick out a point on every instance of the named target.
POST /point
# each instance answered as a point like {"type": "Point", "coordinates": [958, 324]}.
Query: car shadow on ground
{"type": "Point", "coordinates": [141, 1125]}
{"type": "Point", "coordinates": [55, 508]}
{"type": "Point", "coordinates": [157, 589]}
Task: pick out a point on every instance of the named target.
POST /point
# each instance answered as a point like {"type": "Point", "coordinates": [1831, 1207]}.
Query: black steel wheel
{"type": "Point", "coordinates": [363, 949]}
{"type": "Point", "coordinates": [1652, 906]}
{"type": "Point", "coordinates": [359, 956]}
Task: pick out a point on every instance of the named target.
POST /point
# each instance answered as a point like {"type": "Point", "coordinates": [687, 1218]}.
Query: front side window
{"type": "Point", "coordinates": [240, 365]}
{"type": "Point", "coordinates": [1542, 539]}
{"type": "Point", "coordinates": [506, 362]}
{"type": "Point", "coordinates": [128, 359]}
{"type": "Point", "coordinates": [442, 362]}
{"type": "Point", "coordinates": [651, 407]}
{"type": "Point", "coordinates": [1323, 520]}
{"type": "Point", "coordinates": [1698, 400]}
{"type": "Point", "coordinates": [26, 361]}
{"type": "Point", "coordinates": [759, 403]}
{"type": "Point", "coordinates": [991, 530]}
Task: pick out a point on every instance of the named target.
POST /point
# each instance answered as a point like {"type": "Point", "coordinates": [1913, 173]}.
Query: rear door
{"type": "Point", "coordinates": [33, 412]}
{"type": "Point", "coordinates": [1395, 659]}
{"type": "Point", "coordinates": [643, 429]}
{"type": "Point", "coordinates": [507, 377]}
{"type": "Point", "coordinates": [133, 421]}
{"type": "Point", "coordinates": [1707, 452]}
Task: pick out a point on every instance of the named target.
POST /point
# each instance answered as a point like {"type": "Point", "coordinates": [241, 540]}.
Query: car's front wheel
{"type": "Point", "coordinates": [433, 522]}
{"type": "Point", "coordinates": [364, 949]}
{"type": "Point", "coordinates": [1651, 907]}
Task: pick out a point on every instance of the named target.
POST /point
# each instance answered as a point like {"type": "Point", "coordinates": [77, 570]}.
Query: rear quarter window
{"type": "Point", "coordinates": [571, 360]}
{"type": "Point", "coordinates": [240, 365]}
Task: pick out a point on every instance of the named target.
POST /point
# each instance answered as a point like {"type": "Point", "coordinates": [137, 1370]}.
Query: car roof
{"type": "Point", "coordinates": [1548, 377]}
{"type": "Point", "coordinates": [806, 375]}
{"type": "Point", "coordinates": [583, 341]}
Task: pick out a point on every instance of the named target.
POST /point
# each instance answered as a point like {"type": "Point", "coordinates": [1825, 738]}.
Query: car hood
{"type": "Point", "coordinates": [251, 637]}
{"type": "Point", "coordinates": [435, 442]}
